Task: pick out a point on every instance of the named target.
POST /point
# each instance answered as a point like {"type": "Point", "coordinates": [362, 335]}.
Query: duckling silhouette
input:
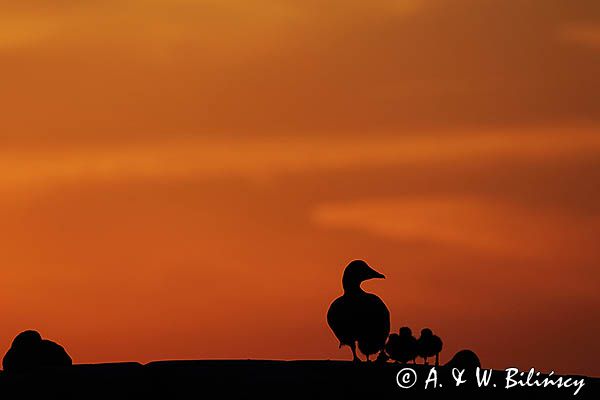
{"type": "Point", "coordinates": [403, 347]}
{"type": "Point", "coordinates": [358, 317]}
{"type": "Point", "coordinates": [429, 345]}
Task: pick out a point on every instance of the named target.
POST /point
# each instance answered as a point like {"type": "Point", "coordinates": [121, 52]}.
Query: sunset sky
{"type": "Point", "coordinates": [188, 178]}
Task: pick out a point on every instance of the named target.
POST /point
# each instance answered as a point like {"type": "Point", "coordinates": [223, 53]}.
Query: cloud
{"type": "Point", "coordinates": [268, 158]}
{"type": "Point", "coordinates": [486, 225]}
{"type": "Point", "coordinates": [119, 69]}
{"type": "Point", "coordinates": [587, 35]}
{"type": "Point", "coordinates": [15, 34]}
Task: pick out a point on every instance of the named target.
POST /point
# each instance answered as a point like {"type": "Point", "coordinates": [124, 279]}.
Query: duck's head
{"type": "Point", "coordinates": [357, 272]}
{"type": "Point", "coordinates": [426, 332]}
{"type": "Point", "coordinates": [405, 331]}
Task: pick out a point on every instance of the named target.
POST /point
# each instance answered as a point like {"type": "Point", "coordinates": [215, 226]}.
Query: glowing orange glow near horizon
{"type": "Point", "coordinates": [188, 178]}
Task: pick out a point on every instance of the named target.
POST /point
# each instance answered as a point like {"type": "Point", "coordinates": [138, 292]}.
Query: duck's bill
{"type": "Point", "coordinates": [377, 275]}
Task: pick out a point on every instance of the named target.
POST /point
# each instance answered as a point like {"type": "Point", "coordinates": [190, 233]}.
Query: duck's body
{"type": "Point", "coordinates": [429, 345]}
{"type": "Point", "coordinates": [357, 317]}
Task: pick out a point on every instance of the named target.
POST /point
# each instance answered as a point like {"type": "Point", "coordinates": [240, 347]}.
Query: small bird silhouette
{"type": "Point", "coordinates": [403, 347]}
{"type": "Point", "coordinates": [429, 345]}
{"type": "Point", "coordinates": [358, 317]}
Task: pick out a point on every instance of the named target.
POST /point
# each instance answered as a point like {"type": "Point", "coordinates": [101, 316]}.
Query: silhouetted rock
{"type": "Point", "coordinates": [261, 379]}
{"type": "Point", "coordinates": [52, 355]}
{"type": "Point", "coordinates": [29, 351]}
{"type": "Point", "coordinates": [429, 345]}
{"type": "Point", "coordinates": [403, 347]}
{"type": "Point", "coordinates": [358, 317]}
{"type": "Point", "coordinates": [26, 339]}
{"type": "Point", "coordinates": [464, 359]}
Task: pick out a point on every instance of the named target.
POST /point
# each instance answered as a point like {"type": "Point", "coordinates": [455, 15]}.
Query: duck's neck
{"type": "Point", "coordinates": [351, 286]}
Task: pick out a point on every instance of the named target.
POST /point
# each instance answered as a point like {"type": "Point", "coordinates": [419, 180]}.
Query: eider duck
{"type": "Point", "coordinates": [429, 345]}
{"type": "Point", "coordinates": [402, 348]}
{"type": "Point", "coordinates": [357, 317]}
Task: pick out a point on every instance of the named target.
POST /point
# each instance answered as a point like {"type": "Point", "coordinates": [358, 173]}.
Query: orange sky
{"type": "Point", "coordinates": [188, 178]}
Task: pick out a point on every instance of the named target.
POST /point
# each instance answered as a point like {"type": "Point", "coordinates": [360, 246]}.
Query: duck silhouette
{"type": "Point", "coordinates": [403, 347]}
{"type": "Point", "coordinates": [358, 317]}
{"type": "Point", "coordinates": [429, 345]}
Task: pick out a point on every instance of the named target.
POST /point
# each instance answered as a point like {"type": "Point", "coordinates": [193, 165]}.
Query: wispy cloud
{"type": "Point", "coordinates": [587, 35]}
{"type": "Point", "coordinates": [262, 158]}
{"type": "Point", "coordinates": [15, 33]}
{"type": "Point", "coordinates": [489, 225]}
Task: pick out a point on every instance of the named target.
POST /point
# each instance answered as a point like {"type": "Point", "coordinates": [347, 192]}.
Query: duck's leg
{"type": "Point", "coordinates": [382, 357]}
{"type": "Point", "coordinates": [437, 359]}
{"type": "Point", "coordinates": [354, 356]}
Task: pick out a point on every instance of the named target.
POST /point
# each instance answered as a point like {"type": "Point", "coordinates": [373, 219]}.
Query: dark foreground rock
{"type": "Point", "coordinates": [266, 379]}
{"type": "Point", "coordinates": [29, 351]}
